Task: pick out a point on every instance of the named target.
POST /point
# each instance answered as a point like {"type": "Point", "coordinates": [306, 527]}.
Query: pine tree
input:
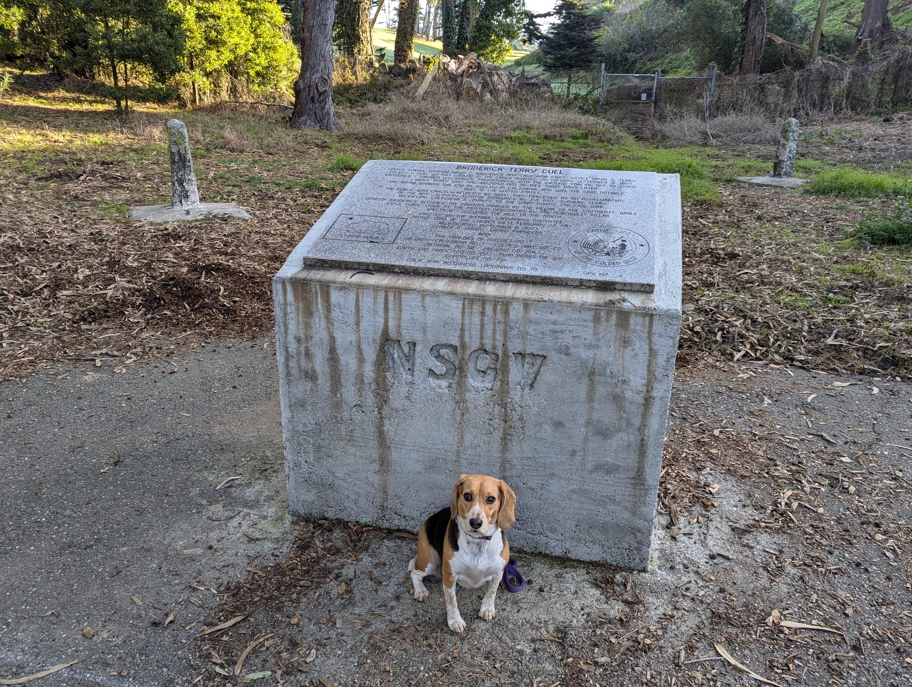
{"type": "Point", "coordinates": [570, 44]}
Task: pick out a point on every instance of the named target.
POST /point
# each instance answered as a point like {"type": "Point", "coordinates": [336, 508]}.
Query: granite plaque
{"type": "Point", "coordinates": [544, 225]}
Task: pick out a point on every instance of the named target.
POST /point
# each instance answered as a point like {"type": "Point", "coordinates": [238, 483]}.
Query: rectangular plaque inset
{"type": "Point", "coordinates": [365, 228]}
{"type": "Point", "coordinates": [528, 224]}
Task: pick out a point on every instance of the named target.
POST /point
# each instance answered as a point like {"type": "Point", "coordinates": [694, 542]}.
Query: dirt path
{"type": "Point", "coordinates": [141, 508]}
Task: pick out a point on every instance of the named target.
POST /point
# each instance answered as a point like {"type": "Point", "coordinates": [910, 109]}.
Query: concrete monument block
{"type": "Point", "coordinates": [443, 318]}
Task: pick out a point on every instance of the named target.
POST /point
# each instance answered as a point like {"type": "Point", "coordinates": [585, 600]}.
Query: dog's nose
{"type": "Point", "coordinates": [475, 523]}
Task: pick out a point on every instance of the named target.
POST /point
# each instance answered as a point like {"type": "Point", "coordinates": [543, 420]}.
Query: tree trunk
{"type": "Point", "coordinates": [376, 14]}
{"type": "Point", "coordinates": [435, 20]}
{"type": "Point", "coordinates": [463, 27]}
{"type": "Point", "coordinates": [405, 31]}
{"type": "Point", "coordinates": [449, 27]}
{"type": "Point", "coordinates": [313, 107]}
{"type": "Point", "coordinates": [426, 21]}
{"type": "Point", "coordinates": [874, 20]}
{"type": "Point", "coordinates": [752, 38]}
{"type": "Point", "coordinates": [353, 21]}
{"type": "Point", "coordinates": [818, 29]}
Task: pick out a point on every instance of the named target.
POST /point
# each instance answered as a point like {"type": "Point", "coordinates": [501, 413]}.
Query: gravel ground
{"type": "Point", "coordinates": [144, 507]}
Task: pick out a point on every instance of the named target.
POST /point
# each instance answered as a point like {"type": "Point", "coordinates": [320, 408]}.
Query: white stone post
{"type": "Point", "coordinates": [784, 166]}
{"type": "Point", "coordinates": [183, 191]}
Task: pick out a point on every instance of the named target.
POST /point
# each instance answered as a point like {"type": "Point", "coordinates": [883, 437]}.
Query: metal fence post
{"type": "Point", "coordinates": [712, 92]}
{"type": "Point", "coordinates": [602, 86]}
{"type": "Point", "coordinates": [655, 89]}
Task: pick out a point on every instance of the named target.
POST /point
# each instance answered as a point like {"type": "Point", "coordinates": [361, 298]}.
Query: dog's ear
{"type": "Point", "coordinates": [457, 493]}
{"type": "Point", "coordinates": [506, 517]}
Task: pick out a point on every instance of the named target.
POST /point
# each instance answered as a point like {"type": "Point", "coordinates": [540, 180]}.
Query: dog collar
{"type": "Point", "coordinates": [484, 538]}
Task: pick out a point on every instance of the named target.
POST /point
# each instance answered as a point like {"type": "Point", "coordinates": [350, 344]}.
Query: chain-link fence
{"type": "Point", "coordinates": [824, 89]}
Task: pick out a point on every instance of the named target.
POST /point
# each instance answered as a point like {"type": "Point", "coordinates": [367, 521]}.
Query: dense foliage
{"type": "Point", "coordinates": [485, 27]}
{"type": "Point", "coordinates": [678, 37]}
{"type": "Point", "coordinates": [570, 44]}
{"type": "Point", "coordinates": [154, 48]}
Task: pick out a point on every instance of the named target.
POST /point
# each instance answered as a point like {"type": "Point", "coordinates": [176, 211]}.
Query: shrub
{"type": "Point", "coordinates": [895, 230]}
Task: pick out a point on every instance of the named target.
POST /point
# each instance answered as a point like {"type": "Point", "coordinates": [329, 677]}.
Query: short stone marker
{"type": "Point", "coordinates": [784, 167]}
{"type": "Point", "coordinates": [185, 202]}
{"type": "Point", "coordinates": [447, 318]}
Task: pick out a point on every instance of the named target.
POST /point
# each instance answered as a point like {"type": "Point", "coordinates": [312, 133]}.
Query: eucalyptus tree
{"type": "Point", "coordinates": [314, 107]}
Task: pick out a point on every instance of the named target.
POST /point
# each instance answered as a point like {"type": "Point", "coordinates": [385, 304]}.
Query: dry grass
{"type": "Point", "coordinates": [767, 276]}
{"type": "Point", "coordinates": [691, 129]}
{"type": "Point", "coordinates": [404, 121]}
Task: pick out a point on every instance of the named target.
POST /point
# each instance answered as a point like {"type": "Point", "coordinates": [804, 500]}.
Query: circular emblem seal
{"type": "Point", "coordinates": [608, 247]}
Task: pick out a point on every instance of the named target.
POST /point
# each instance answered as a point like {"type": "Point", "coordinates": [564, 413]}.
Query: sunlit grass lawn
{"type": "Point", "coordinates": [386, 38]}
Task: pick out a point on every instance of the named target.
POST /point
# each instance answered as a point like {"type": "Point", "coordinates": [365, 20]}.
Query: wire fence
{"type": "Point", "coordinates": [824, 89]}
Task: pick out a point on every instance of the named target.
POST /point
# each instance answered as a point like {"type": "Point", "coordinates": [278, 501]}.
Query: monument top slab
{"type": "Point", "coordinates": [544, 225]}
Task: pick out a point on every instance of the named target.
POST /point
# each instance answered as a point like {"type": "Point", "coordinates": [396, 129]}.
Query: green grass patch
{"type": "Point", "coordinates": [346, 163]}
{"type": "Point", "coordinates": [385, 39]}
{"type": "Point", "coordinates": [113, 210]}
{"type": "Point", "coordinates": [696, 183]}
{"type": "Point", "coordinates": [857, 184]}
{"type": "Point", "coordinates": [895, 230]}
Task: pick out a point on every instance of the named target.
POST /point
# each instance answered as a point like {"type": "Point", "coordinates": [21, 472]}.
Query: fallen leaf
{"type": "Point", "coordinates": [804, 626]}
{"type": "Point", "coordinates": [35, 676]}
{"type": "Point", "coordinates": [311, 656]}
{"type": "Point", "coordinates": [88, 633]}
{"type": "Point", "coordinates": [224, 626]}
{"type": "Point", "coordinates": [811, 397]}
{"type": "Point", "coordinates": [341, 588]}
{"type": "Point", "coordinates": [246, 653]}
{"type": "Point", "coordinates": [258, 676]}
{"type": "Point", "coordinates": [774, 619]}
{"type": "Point", "coordinates": [136, 600]}
{"type": "Point", "coordinates": [728, 657]}
{"type": "Point", "coordinates": [227, 480]}
{"type": "Point", "coordinates": [168, 619]}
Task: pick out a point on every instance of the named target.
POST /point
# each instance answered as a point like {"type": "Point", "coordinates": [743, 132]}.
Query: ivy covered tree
{"type": "Point", "coordinates": [570, 43]}
{"type": "Point", "coordinates": [449, 27]}
{"type": "Point", "coordinates": [405, 31]}
{"type": "Point", "coordinates": [352, 31]}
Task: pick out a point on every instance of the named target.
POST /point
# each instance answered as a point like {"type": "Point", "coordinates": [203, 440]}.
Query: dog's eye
{"type": "Point", "coordinates": [490, 500]}
{"type": "Point", "coordinates": [467, 497]}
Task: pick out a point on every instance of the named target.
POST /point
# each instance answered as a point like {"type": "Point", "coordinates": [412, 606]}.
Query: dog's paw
{"type": "Point", "coordinates": [486, 612]}
{"type": "Point", "coordinates": [457, 624]}
{"type": "Point", "coordinates": [420, 594]}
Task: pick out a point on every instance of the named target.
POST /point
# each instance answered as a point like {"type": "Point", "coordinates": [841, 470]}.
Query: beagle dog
{"type": "Point", "coordinates": [466, 542]}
